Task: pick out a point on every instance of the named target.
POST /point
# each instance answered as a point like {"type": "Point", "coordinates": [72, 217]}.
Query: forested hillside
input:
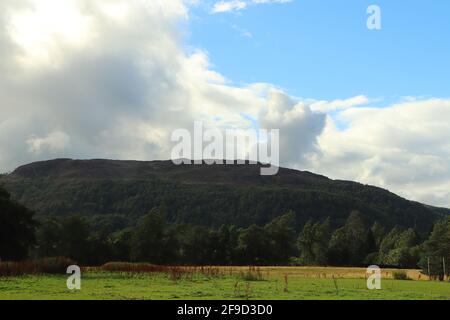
{"type": "Point", "coordinates": [100, 210]}
{"type": "Point", "coordinates": [204, 195]}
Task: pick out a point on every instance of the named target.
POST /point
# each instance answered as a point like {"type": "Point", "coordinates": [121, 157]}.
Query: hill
{"type": "Point", "coordinates": [204, 195]}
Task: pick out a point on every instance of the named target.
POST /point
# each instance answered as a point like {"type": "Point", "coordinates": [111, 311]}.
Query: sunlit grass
{"type": "Point", "coordinates": [277, 283]}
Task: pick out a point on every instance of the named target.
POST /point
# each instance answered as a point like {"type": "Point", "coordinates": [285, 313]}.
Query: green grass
{"type": "Point", "coordinates": [104, 285]}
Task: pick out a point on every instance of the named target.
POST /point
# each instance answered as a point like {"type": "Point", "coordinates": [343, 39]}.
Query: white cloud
{"type": "Point", "coordinates": [117, 95]}
{"type": "Point", "coordinates": [242, 32]}
{"type": "Point", "coordinates": [270, 1]}
{"type": "Point", "coordinates": [326, 106]}
{"type": "Point", "coordinates": [404, 147]}
{"type": "Point", "coordinates": [228, 6]}
{"type": "Point", "coordinates": [299, 126]}
{"type": "Point", "coordinates": [54, 141]}
{"type": "Point", "coordinates": [238, 5]}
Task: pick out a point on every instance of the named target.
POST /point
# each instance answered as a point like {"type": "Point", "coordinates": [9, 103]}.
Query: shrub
{"type": "Point", "coordinates": [252, 274]}
{"type": "Point", "coordinates": [401, 275]}
{"type": "Point", "coordinates": [15, 269]}
{"type": "Point", "coordinates": [56, 265]}
{"type": "Point", "coordinates": [131, 267]}
{"type": "Point", "coordinates": [173, 272]}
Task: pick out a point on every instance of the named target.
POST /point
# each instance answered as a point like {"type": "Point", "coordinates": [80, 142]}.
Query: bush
{"type": "Point", "coordinates": [56, 265]}
{"type": "Point", "coordinates": [372, 258]}
{"type": "Point", "coordinates": [252, 274]}
{"type": "Point", "coordinates": [401, 275]}
{"type": "Point", "coordinates": [15, 269]}
{"type": "Point", "coordinates": [131, 267]}
{"type": "Point", "coordinates": [173, 272]}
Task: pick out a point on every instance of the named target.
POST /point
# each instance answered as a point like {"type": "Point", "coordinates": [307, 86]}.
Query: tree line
{"type": "Point", "coordinates": [152, 239]}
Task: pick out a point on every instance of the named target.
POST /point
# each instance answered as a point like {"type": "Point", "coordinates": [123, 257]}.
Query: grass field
{"type": "Point", "coordinates": [277, 283]}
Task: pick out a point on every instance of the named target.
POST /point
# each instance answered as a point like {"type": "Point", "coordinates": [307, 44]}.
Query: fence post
{"type": "Point", "coordinates": [443, 265]}
{"type": "Point", "coordinates": [429, 273]}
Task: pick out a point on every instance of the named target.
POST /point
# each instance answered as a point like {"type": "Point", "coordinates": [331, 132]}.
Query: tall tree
{"type": "Point", "coordinates": [348, 244]}
{"type": "Point", "coordinates": [49, 238]}
{"type": "Point", "coordinates": [17, 229]}
{"type": "Point", "coordinates": [226, 242]}
{"type": "Point", "coordinates": [322, 233]}
{"type": "Point", "coordinates": [75, 239]}
{"type": "Point", "coordinates": [281, 234]}
{"type": "Point", "coordinates": [197, 245]}
{"type": "Point", "coordinates": [378, 232]}
{"type": "Point", "coordinates": [253, 244]}
{"type": "Point", "coordinates": [313, 243]}
{"type": "Point", "coordinates": [147, 243]}
{"type": "Point", "coordinates": [399, 249]}
{"type": "Point", "coordinates": [121, 244]}
{"type": "Point", "coordinates": [437, 249]}
{"type": "Point", "coordinates": [305, 244]}
{"type": "Point", "coordinates": [100, 248]}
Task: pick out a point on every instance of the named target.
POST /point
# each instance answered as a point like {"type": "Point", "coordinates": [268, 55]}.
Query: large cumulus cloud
{"type": "Point", "coordinates": [109, 79]}
{"type": "Point", "coordinates": [404, 147]}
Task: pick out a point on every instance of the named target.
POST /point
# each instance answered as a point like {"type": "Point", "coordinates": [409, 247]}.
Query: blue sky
{"type": "Point", "coordinates": [323, 49]}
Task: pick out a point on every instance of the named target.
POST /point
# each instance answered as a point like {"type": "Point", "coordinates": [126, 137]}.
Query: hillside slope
{"type": "Point", "coordinates": [204, 195]}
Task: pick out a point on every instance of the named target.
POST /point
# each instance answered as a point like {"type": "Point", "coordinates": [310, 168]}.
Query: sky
{"type": "Point", "coordinates": [114, 78]}
{"type": "Point", "coordinates": [322, 49]}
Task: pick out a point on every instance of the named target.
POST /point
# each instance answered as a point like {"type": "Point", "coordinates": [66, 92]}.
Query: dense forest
{"type": "Point", "coordinates": [17, 229]}
{"type": "Point", "coordinates": [99, 211]}
{"type": "Point", "coordinates": [154, 240]}
{"type": "Point", "coordinates": [202, 195]}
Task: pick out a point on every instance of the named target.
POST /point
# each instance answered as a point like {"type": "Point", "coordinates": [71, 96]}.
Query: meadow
{"type": "Point", "coordinates": [228, 283]}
